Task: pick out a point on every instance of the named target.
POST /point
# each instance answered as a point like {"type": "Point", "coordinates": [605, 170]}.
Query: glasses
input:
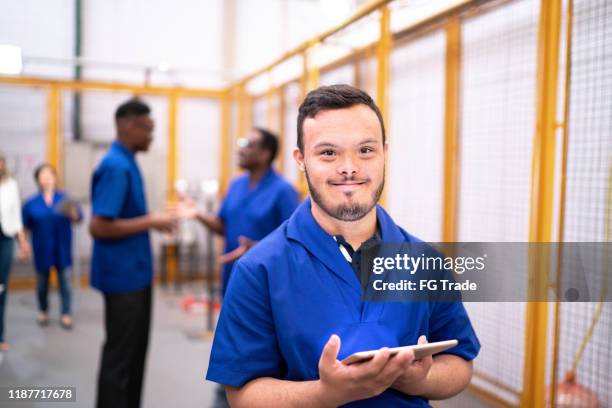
{"type": "Point", "coordinates": [244, 142]}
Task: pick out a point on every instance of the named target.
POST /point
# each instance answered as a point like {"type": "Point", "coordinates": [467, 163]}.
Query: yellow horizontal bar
{"type": "Point", "coordinates": [496, 383]}
{"type": "Point", "coordinates": [110, 86]}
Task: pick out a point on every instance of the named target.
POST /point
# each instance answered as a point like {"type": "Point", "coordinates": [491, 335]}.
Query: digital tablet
{"type": "Point", "coordinates": [420, 351]}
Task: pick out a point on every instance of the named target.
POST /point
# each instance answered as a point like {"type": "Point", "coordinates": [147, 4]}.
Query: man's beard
{"type": "Point", "coordinates": [345, 212]}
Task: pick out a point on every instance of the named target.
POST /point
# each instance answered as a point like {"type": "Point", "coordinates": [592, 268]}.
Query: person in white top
{"type": "Point", "coordinates": [10, 227]}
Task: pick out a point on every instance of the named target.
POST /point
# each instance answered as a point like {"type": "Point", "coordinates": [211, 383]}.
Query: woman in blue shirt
{"type": "Point", "coordinates": [48, 215]}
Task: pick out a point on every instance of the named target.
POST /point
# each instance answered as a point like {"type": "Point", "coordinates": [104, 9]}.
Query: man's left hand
{"type": "Point", "coordinates": [415, 373]}
{"type": "Point", "coordinates": [244, 245]}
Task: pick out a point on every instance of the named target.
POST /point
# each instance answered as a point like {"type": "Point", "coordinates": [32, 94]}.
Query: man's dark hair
{"type": "Point", "coordinates": [132, 107]}
{"type": "Point", "coordinates": [40, 168]}
{"type": "Point", "coordinates": [269, 142]}
{"type": "Point", "coordinates": [333, 97]}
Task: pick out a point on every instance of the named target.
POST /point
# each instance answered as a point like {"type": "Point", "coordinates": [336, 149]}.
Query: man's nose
{"type": "Point", "coordinates": [348, 166]}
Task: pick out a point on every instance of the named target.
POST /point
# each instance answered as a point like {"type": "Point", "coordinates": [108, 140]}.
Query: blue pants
{"type": "Point", "coordinates": [42, 289]}
{"type": "Point", "coordinates": [6, 258]}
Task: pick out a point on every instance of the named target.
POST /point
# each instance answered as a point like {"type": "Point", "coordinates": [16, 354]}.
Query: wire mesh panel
{"type": "Point", "coordinates": [23, 130]}
{"type": "Point", "coordinates": [273, 112]}
{"type": "Point", "coordinates": [416, 135]}
{"type": "Point", "coordinates": [260, 111]}
{"type": "Point", "coordinates": [199, 127]}
{"type": "Point", "coordinates": [344, 74]}
{"type": "Point", "coordinates": [367, 74]}
{"type": "Point", "coordinates": [587, 215]}
{"type": "Point", "coordinates": [497, 122]}
{"type": "Point", "coordinates": [497, 104]}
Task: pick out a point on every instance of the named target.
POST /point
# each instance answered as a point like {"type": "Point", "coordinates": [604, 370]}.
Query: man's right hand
{"type": "Point", "coordinates": [185, 208]}
{"type": "Point", "coordinates": [340, 383]}
{"type": "Point", "coordinates": [163, 221]}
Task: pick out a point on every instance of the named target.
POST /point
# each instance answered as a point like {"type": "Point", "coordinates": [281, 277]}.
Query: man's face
{"type": "Point", "coordinates": [251, 154]}
{"type": "Point", "coordinates": [344, 161]}
{"type": "Point", "coordinates": [140, 131]}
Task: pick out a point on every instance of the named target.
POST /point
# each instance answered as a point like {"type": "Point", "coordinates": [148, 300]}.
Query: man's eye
{"type": "Point", "coordinates": [366, 150]}
{"type": "Point", "coordinates": [328, 153]}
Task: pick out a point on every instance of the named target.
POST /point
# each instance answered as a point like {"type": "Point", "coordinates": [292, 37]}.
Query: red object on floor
{"type": "Point", "coordinates": [191, 304]}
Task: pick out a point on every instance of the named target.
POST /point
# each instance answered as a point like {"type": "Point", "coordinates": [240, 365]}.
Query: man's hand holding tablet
{"type": "Point", "coordinates": [340, 383]}
{"type": "Point", "coordinates": [367, 374]}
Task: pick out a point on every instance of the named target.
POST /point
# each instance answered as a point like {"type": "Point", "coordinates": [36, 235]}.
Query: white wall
{"type": "Point", "coordinates": [40, 28]}
{"type": "Point", "coordinates": [185, 34]}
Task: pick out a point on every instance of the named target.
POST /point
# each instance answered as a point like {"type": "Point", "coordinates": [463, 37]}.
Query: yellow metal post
{"type": "Point", "coordinates": [383, 70]}
{"type": "Point", "coordinates": [357, 69]}
{"type": "Point", "coordinates": [304, 77]}
{"type": "Point", "coordinates": [224, 146]}
{"type": "Point", "coordinates": [172, 159]}
{"type": "Point", "coordinates": [312, 70]}
{"type": "Point", "coordinates": [451, 130]}
{"type": "Point", "coordinates": [542, 203]}
{"type": "Point", "coordinates": [242, 102]}
{"type": "Point", "coordinates": [270, 111]}
{"type": "Point", "coordinates": [282, 137]}
{"type": "Point", "coordinates": [54, 148]}
{"type": "Point", "coordinates": [562, 197]}
{"type": "Point", "coordinates": [54, 142]}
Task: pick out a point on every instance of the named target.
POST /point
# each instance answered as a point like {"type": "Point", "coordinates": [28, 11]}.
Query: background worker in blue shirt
{"type": "Point", "coordinates": [294, 307]}
{"type": "Point", "coordinates": [255, 204]}
{"type": "Point", "coordinates": [121, 264]}
{"type": "Point", "coordinates": [48, 215]}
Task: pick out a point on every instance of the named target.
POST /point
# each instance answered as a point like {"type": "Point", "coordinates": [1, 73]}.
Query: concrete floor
{"type": "Point", "coordinates": [48, 356]}
{"type": "Point", "coordinates": [176, 362]}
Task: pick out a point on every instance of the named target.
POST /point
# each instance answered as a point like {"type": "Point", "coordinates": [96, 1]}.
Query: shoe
{"type": "Point", "coordinates": [66, 322]}
{"type": "Point", "coordinates": [42, 320]}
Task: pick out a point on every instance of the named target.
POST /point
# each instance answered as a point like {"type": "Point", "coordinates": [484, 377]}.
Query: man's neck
{"type": "Point", "coordinates": [255, 175]}
{"type": "Point", "coordinates": [126, 144]}
{"type": "Point", "coordinates": [354, 232]}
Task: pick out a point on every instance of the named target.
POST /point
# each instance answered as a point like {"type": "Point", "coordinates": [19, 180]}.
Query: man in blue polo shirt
{"type": "Point", "coordinates": [121, 264]}
{"type": "Point", "coordinates": [256, 202]}
{"type": "Point", "coordinates": [294, 306]}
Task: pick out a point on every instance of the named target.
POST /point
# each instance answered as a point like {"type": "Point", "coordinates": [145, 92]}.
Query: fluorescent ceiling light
{"type": "Point", "coordinates": [10, 59]}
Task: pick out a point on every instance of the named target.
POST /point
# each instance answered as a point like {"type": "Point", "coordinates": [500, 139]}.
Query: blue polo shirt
{"type": "Point", "coordinates": [117, 191]}
{"type": "Point", "coordinates": [51, 232]}
{"type": "Point", "coordinates": [255, 212]}
{"type": "Point", "coordinates": [293, 290]}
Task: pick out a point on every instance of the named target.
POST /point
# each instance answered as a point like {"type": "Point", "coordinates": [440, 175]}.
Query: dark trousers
{"type": "Point", "coordinates": [127, 319]}
{"type": "Point", "coordinates": [6, 258]}
{"type": "Point", "coordinates": [42, 290]}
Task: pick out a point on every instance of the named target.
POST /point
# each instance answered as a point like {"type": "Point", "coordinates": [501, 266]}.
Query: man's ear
{"type": "Point", "coordinates": [267, 157]}
{"type": "Point", "coordinates": [298, 156]}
